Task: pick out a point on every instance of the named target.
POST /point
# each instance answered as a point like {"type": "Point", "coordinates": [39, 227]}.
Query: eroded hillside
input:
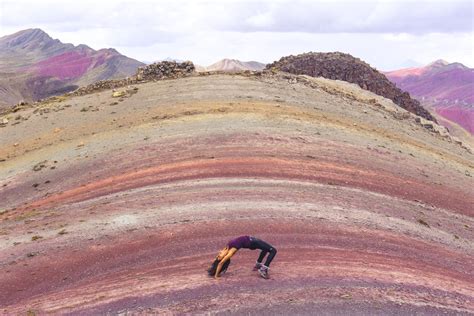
{"type": "Point", "coordinates": [118, 204]}
{"type": "Point", "coordinates": [341, 66]}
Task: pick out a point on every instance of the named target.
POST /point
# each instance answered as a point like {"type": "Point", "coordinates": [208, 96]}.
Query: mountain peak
{"type": "Point", "coordinates": [443, 65]}
{"type": "Point", "coordinates": [34, 32]}
{"type": "Point", "coordinates": [438, 63]}
{"type": "Point", "coordinates": [25, 38]}
{"type": "Point", "coordinates": [228, 64]}
{"type": "Point", "coordinates": [230, 60]}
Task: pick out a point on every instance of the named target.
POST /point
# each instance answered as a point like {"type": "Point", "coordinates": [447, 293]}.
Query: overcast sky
{"type": "Point", "coordinates": [386, 34]}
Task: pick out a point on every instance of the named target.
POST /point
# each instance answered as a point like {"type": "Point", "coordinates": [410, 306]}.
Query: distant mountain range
{"type": "Point", "coordinates": [226, 64]}
{"type": "Point", "coordinates": [445, 88]}
{"type": "Point", "coordinates": [232, 65]}
{"type": "Point", "coordinates": [33, 66]}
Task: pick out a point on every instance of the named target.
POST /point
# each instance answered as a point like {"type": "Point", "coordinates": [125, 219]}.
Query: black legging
{"type": "Point", "coordinates": [265, 247]}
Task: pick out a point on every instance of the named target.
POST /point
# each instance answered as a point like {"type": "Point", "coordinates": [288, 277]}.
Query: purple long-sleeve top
{"type": "Point", "coordinates": [239, 242]}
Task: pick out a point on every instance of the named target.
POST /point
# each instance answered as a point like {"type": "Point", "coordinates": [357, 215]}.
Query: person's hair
{"type": "Point", "coordinates": [212, 270]}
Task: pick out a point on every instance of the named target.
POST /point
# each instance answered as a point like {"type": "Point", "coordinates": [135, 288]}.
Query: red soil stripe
{"type": "Point", "coordinates": [267, 167]}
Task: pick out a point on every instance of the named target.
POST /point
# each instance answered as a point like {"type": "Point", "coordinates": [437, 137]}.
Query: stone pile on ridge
{"type": "Point", "coordinates": [340, 66]}
{"type": "Point", "coordinates": [165, 70]}
{"type": "Point", "coordinates": [156, 71]}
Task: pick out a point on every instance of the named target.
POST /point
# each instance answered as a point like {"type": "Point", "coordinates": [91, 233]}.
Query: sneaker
{"type": "Point", "coordinates": [264, 272]}
{"type": "Point", "coordinates": [257, 266]}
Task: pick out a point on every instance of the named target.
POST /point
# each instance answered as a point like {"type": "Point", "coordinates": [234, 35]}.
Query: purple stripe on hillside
{"type": "Point", "coordinates": [463, 117]}
{"type": "Point", "coordinates": [69, 65]}
{"type": "Point", "coordinates": [454, 84]}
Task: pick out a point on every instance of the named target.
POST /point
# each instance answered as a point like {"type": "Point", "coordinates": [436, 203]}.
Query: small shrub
{"type": "Point", "coordinates": [422, 222]}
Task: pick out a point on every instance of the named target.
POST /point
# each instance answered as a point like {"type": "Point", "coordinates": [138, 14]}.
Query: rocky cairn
{"type": "Point", "coordinates": [165, 70]}
{"type": "Point", "coordinates": [340, 66]}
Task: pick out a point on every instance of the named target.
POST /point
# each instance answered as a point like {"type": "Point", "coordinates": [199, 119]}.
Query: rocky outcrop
{"type": "Point", "coordinates": [340, 66]}
{"type": "Point", "coordinates": [165, 70]}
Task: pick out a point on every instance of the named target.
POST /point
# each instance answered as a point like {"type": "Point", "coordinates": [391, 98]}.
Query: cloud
{"type": "Point", "coordinates": [133, 36]}
{"type": "Point", "coordinates": [307, 16]}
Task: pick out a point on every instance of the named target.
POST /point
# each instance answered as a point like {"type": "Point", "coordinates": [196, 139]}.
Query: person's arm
{"type": "Point", "coordinates": [221, 263]}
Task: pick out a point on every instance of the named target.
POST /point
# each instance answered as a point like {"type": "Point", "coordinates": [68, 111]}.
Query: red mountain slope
{"type": "Point", "coordinates": [34, 66]}
{"type": "Point", "coordinates": [446, 88]}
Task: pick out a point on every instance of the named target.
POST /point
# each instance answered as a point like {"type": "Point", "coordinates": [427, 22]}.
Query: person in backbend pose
{"type": "Point", "coordinates": [222, 261]}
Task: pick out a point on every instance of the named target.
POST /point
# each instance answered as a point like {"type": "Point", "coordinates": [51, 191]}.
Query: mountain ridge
{"type": "Point", "coordinates": [446, 88]}
{"type": "Point", "coordinates": [34, 66]}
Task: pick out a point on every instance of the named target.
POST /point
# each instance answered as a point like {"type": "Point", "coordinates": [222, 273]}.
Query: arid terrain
{"type": "Point", "coordinates": [119, 204]}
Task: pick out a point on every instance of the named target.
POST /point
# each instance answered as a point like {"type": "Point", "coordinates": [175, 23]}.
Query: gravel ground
{"type": "Point", "coordinates": [118, 206]}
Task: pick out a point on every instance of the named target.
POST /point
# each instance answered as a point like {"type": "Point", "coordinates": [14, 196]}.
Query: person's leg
{"type": "Point", "coordinates": [266, 248]}
{"type": "Point", "coordinates": [263, 246]}
{"type": "Point", "coordinates": [258, 244]}
{"type": "Point", "coordinates": [258, 264]}
{"type": "Point", "coordinates": [263, 270]}
{"type": "Point", "coordinates": [270, 257]}
{"type": "Point", "coordinates": [262, 255]}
